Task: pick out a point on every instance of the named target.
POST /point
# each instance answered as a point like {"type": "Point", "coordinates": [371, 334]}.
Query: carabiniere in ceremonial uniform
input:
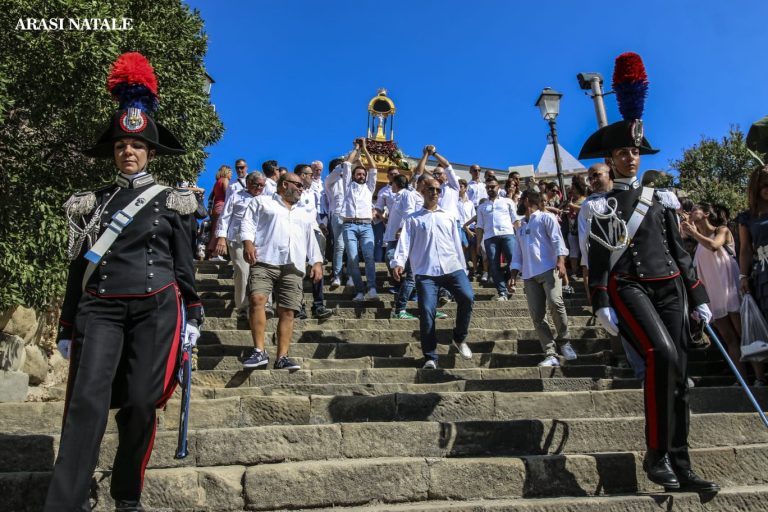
{"type": "Point", "coordinates": [132, 266]}
{"type": "Point", "coordinates": [643, 284]}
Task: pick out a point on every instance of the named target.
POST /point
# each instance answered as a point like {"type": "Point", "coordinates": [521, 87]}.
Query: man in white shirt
{"type": "Point", "coordinates": [495, 229]}
{"type": "Point", "coordinates": [540, 255]}
{"type": "Point", "coordinates": [270, 169]}
{"type": "Point", "coordinates": [241, 168]}
{"type": "Point", "coordinates": [278, 240]}
{"type": "Point", "coordinates": [334, 194]}
{"type": "Point", "coordinates": [430, 240]}
{"type": "Point", "coordinates": [228, 234]}
{"type": "Point", "coordinates": [467, 211]}
{"type": "Point", "coordinates": [357, 214]}
{"type": "Point", "coordinates": [449, 194]}
{"type": "Point", "coordinates": [310, 201]}
{"type": "Point", "coordinates": [475, 188]}
{"type": "Point", "coordinates": [384, 201]}
{"type": "Point", "coordinates": [317, 177]}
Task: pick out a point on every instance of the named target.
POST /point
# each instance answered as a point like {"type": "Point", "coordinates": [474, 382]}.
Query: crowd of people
{"type": "Point", "coordinates": [657, 269]}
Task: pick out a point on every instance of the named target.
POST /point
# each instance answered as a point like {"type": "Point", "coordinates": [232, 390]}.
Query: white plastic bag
{"type": "Point", "coordinates": [754, 331]}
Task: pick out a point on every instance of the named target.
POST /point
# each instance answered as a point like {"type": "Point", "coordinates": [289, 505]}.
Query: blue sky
{"type": "Point", "coordinates": [293, 77]}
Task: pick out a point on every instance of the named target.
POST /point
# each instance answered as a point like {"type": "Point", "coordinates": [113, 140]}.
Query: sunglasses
{"type": "Point", "coordinates": [239, 167]}
{"type": "Point", "coordinates": [432, 189]}
{"type": "Point", "coordinates": [258, 185]}
{"type": "Point", "coordinates": [594, 176]}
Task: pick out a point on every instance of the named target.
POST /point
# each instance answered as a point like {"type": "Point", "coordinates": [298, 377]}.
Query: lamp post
{"type": "Point", "coordinates": [594, 82]}
{"type": "Point", "coordinates": [549, 105]}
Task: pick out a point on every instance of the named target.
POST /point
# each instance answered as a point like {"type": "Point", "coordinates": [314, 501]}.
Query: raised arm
{"type": "Point", "coordinates": [419, 169]}
{"type": "Point", "coordinates": [453, 180]}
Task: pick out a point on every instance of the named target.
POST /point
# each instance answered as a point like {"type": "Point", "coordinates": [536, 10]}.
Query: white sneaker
{"type": "Point", "coordinates": [372, 295]}
{"type": "Point", "coordinates": [550, 361]}
{"type": "Point", "coordinates": [759, 383]}
{"type": "Point", "coordinates": [335, 283]}
{"type": "Point", "coordinates": [359, 297]}
{"type": "Point", "coordinates": [463, 349]}
{"type": "Point", "coordinates": [568, 353]}
{"type": "Point", "coordinates": [501, 298]}
{"type": "Point", "coordinates": [350, 282]}
{"type": "Point", "coordinates": [218, 258]}
{"type": "Point", "coordinates": [430, 365]}
{"type": "Point", "coordinates": [484, 278]}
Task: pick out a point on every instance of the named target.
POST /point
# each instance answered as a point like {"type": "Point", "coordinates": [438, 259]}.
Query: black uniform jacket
{"type": "Point", "coordinates": [656, 251]}
{"type": "Point", "coordinates": [154, 251]}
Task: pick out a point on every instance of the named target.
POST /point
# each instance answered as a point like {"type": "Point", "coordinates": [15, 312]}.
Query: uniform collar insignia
{"type": "Point", "coordinates": [626, 183]}
{"type": "Point", "coordinates": [137, 181]}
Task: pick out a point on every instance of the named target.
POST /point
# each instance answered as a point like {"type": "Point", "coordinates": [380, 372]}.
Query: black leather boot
{"type": "Point", "coordinates": [691, 482]}
{"type": "Point", "coordinates": [659, 470]}
{"type": "Point", "coordinates": [128, 506]}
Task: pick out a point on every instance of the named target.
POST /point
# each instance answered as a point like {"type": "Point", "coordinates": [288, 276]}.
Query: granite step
{"type": "Point", "coordinates": [293, 443]}
{"type": "Point", "coordinates": [390, 480]}
{"type": "Point", "coordinates": [254, 410]}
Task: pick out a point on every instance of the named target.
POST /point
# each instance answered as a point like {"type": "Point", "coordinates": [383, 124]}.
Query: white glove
{"type": "Point", "coordinates": [702, 313]}
{"type": "Point", "coordinates": [192, 334]}
{"type": "Point", "coordinates": [63, 346]}
{"type": "Point", "coordinates": [607, 318]}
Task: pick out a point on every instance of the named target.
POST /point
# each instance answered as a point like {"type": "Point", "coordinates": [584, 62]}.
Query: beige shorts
{"type": "Point", "coordinates": [284, 280]}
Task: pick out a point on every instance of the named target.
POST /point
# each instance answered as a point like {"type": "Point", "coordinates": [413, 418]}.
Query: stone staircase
{"type": "Point", "coordinates": [362, 427]}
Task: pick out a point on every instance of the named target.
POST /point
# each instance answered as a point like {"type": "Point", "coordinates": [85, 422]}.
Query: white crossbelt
{"type": "Point", "coordinates": [120, 219]}
{"type": "Point", "coordinates": [641, 209]}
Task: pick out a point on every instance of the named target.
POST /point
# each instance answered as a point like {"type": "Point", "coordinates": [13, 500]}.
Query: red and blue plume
{"type": "Point", "coordinates": [132, 82]}
{"type": "Point", "coordinates": [630, 83]}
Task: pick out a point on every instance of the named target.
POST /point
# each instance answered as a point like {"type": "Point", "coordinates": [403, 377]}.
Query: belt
{"type": "Point", "coordinates": [353, 220]}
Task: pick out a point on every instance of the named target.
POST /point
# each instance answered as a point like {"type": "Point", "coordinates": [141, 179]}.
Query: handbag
{"type": "Point", "coordinates": [754, 331]}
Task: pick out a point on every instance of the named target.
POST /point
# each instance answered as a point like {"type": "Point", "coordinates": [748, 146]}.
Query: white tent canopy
{"type": "Point", "coordinates": [567, 161]}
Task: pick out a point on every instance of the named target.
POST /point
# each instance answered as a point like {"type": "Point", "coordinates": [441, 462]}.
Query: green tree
{"type": "Point", "coordinates": [54, 102]}
{"type": "Point", "coordinates": [717, 171]}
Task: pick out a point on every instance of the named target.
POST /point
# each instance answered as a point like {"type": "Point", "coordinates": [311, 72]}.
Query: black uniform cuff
{"type": "Point", "coordinates": [599, 297]}
{"type": "Point", "coordinates": [697, 295]}
{"type": "Point", "coordinates": [66, 330]}
{"type": "Point", "coordinates": [195, 312]}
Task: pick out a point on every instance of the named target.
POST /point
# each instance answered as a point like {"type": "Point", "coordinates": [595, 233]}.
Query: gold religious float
{"type": "Point", "coordinates": [382, 146]}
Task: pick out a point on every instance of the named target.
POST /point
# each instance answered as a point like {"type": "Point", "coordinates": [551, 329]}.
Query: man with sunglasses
{"type": "Point", "coordinates": [228, 234]}
{"type": "Point", "coordinates": [430, 240]}
{"type": "Point", "coordinates": [475, 188]}
{"type": "Point", "coordinates": [241, 168]}
{"type": "Point", "coordinates": [359, 185]}
{"type": "Point", "coordinates": [278, 240]}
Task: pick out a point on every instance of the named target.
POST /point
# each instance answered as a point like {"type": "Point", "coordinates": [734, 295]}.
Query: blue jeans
{"type": "Point", "coordinates": [378, 240]}
{"type": "Point", "coordinates": [427, 287]}
{"type": "Point", "coordinates": [360, 235]}
{"type": "Point", "coordinates": [337, 231]}
{"type": "Point", "coordinates": [407, 283]}
{"type": "Point", "coordinates": [494, 248]}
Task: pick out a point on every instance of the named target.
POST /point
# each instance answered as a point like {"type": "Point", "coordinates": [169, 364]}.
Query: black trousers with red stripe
{"type": "Point", "coordinates": [124, 356]}
{"type": "Point", "coordinates": [653, 318]}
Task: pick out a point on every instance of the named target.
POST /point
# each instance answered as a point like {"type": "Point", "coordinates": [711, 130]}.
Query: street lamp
{"type": "Point", "coordinates": [549, 105]}
{"type": "Point", "coordinates": [594, 82]}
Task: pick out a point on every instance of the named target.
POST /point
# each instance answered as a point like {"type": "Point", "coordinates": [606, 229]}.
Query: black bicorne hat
{"type": "Point", "coordinates": [757, 137]}
{"type": "Point", "coordinates": [630, 83]}
{"type": "Point", "coordinates": [622, 134]}
{"type": "Point", "coordinates": [133, 84]}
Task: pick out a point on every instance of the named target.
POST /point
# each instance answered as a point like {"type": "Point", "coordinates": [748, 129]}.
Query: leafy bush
{"type": "Point", "coordinates": [54, 102]}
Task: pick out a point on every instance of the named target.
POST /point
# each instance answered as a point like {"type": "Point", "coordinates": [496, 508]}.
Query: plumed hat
{"type": "Point", "coordinates": [630, 83]}
{"type": "Point", "coordinates": [133, 85]}
{"type": "Point", "coordinates": [757, 138]}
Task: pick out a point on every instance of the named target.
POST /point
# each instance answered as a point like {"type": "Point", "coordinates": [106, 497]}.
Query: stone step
{"type": "Point", "coordinates": [729, 499]}
{"type": "Point", "coordinates": [293, 443]}
{"type": "Point", "coordinates": [412, 349]}
{"type": "Point", "coordinates": [218, 306]}
{"type": "Point", "coordinates": [219, 331]}
{"type": "Point", "coordinates": [482, 295]}
{"type": "Point", "coordinates": [452, 360]}
{"type": "Point", "coordinates": [356, 482]}
{"type": "Point", "coordinates": [248, 411]}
